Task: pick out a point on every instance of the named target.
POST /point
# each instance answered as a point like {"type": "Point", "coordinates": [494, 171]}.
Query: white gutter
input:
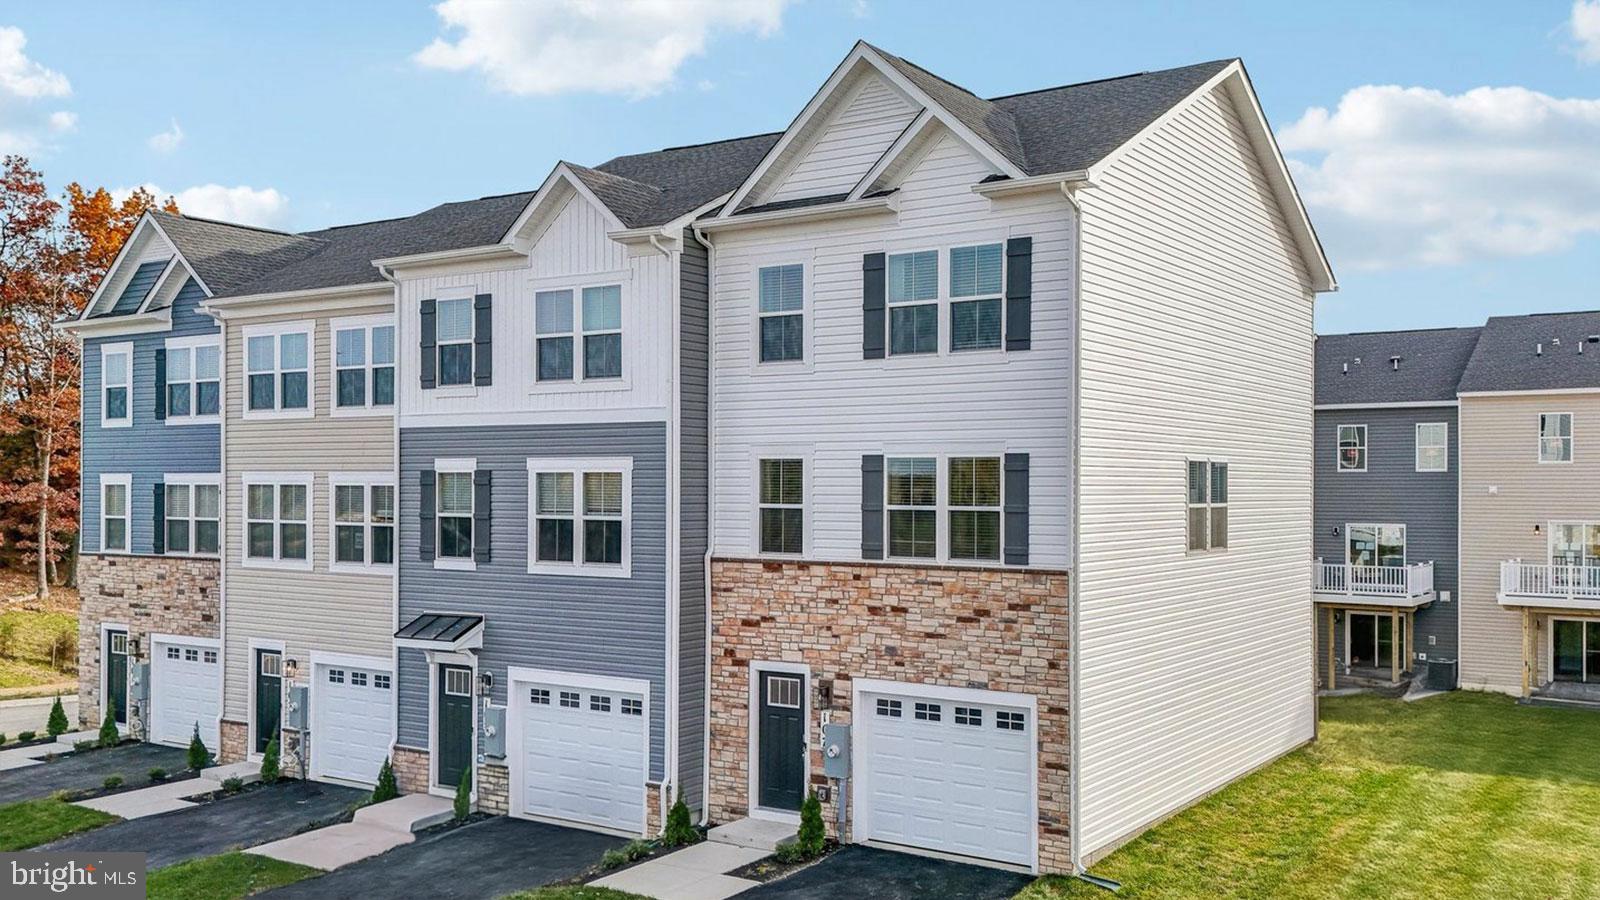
{"type": "Point", "coordinates": [219, 307]}
{"type": "Point", "coordinates": [464, 254]}
{"type": "Point", "coordinates": [841, 210]}
{"type": "Point", "coordinates": [133, 323]}
{"type": "Point", "coordinates": [1001, 188]}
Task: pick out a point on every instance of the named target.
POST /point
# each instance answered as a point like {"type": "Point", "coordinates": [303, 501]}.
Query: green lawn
{"type": "Point", "coordinates": [34, 822]}
{"type": "Point", "coordinates": [1467, 795]}
{"type": "Point", "coordinates": [227, 876]}
{"type": "Point", "coordinates": [28, 653]}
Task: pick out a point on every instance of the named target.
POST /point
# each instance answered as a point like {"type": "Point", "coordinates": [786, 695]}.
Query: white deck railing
{"type": "Point", "coordinates": [1522, 579]}
{"type": "Point", "coordinates": [1414, 580]}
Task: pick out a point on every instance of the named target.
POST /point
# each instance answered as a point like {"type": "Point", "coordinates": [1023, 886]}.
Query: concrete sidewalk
{"type": "Point", "coordinates": [377, 829]}
{"type": "Point", "coordinates": [693, 873]}
{"type": "Point", "coordinates": [22, 757]}
{"type": "Point", "coordinates": [168, 796]}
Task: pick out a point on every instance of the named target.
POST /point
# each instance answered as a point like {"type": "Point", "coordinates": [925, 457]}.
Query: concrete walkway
{"type": "Point", "coordinates": [377, 829]}
{"type": "Point", "coordinates": [694, 873]}
{"type": "Point", "coordinates": [22, 757]}
{"type": "Point", "coordinates": [168, 796]}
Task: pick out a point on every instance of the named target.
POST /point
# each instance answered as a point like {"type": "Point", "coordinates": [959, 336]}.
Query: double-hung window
{"type": "Point", "coordinates": [1352, 448]}
{"type": "Point", "coordinates": [454, 336]}
{"type": "Point", "coordinates": [1207, 505]}
{"type": "Point", "coordinates": [976, 308]}
{"type": "Point", "coordinates": [455, 498]}
{"type": "Point", "coordinates": [552, 314]}
{"type": "Point", "coordinates": [1433, 447]}
{"type": "Point", "coordinates": [193, 380]}
{"type": "Point", "coordinates": [974, 501]}
{"type": "Point", "coordinates": [363, 364]}
{"type": "Point", "coordinates": [192, 512]}
{"type": "Point", "coordinates": [913, 505]}
{"type": "Point", "coordinates": [781, 312]}
{"type": "Point", "coordinates": [278, 369]}
{"type": "Point", "coordinates": [581, 512]}
{"type": "Point", "coordinates": [560, 327]}
{"type": "Point", "coordinates": [913, 299]}
{"type": "Point", "coordinates": [277, 520]}
{"type": "Point", "coordinates": [114, 492]}
{"type": "Point", "coordinates": [363, 520]}
{"type": "Point", "coordinates": [782, 506]}
{"type": "Point", "coordinates": [602, 331]}
{"type": "Point", "coordinates": [1555, 437]}
{"type": "Point", "coordinates": [116, 385]}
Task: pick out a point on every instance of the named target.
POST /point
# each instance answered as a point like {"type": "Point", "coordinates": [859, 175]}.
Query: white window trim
{"type": "Point", "coordinates": [470, 388]}
{"type": "Point", "coordinates": [366, 481]}
{"type": "Point", "coordinates": [468, 465]}
{"type": "Point", "coordinates": [276, 332]}
{"type": "Point", "coordinates": [942, 508]}
{"type": "Point", "coordinates": [366, 324]}
{"type": "Point", "coordinates": [943, 299]}
{"type": "Point", "coordinates": [112, 350]}
{"type": "Point", "coordinates": [126, 480]}
{"type": "Point", "coordinates": [1208, 506]}
{"type": "Point", "coordinates": [191, 480]}
{"type": "Point", "coordinates": [1444, 446]}
{"type": "Point", "coordinates": [192, 344]}
{"type": "Point", "coordinates": [1550, 535]}
{"type": "Point", "coordinates": [622, 280]}
{"type": "Point", "coordinates": [1550, 648]}
{"type": "Point", "coordinates": [1338, 460]}
{"type": "Point", "coordinates": [807, 348]}
{"type": "Point", "coordinates": [1405, 539]}
{"type": "Point", "coordinates": [1394, 640]}
{"type": "Point", "coordinates": [276, 479]}
{"type": "Point", "coordinates": [577, 466]}
{"type": "Point", "coordinates": [758, 455]}
{"type": "Point", "coordinates": [1571, 439]}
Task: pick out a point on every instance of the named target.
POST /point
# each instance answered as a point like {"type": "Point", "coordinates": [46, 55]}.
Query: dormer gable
{"type": "Point", "coordinates": [144, 265]}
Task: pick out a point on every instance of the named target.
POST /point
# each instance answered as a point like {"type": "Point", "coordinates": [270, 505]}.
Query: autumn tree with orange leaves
{"type": "Point", "coordinates": [52, 255]}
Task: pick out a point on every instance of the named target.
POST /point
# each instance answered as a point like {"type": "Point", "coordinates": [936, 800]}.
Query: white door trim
{"type": "Point", "coordinates": [253, 670]}
{"type": "Point", "coordinates": [209, 643]}
{"type": "Point", "coordinates": [435, 660]}
{"type": "Point", "coordinates": [105, 649]}
{"type": "Point", "coordinates": [376, 663]}
{"type": "Point", "coordinates": [753, 752]}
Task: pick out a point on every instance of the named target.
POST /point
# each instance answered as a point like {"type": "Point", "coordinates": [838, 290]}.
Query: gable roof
{"type": "Point", "coordinates": [138, 287]}
{"type": "Point", "coordinates": [225, 255]}
{"type": "Point", "coordinates": [1536, 353]}
{"type": "Point", "coordinates": [645, 189]}
{"type": "Point", "coordinates": [1358, 369]}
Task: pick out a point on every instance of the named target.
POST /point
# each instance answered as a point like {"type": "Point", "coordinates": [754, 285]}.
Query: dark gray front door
{"type": "Point", "coordinates": [455, 723]}
{"type": "Point", "coordinates": [782, 741]}
{"type": "Point", "coordinates": [116, 664]}
{"type": "Point", "coordinates": [269, 696]}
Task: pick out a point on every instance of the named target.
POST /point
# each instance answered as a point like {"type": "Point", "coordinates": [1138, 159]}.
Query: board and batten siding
{"type": "Point", "coordinates": [1392, 491]}
{"type": "Point", "coordinates": [316, 610]}
{"type": "Point", "coordinates": [837, 406]}
{"type": "Point", "coordinates": [150, 448]}
{"type": "Point", "coordinates": [1197, 342]}
{"type": "Point", "coordinates": [1500, 453]}
{"type": "Point", "coordinates": [869, 119]}
{"type": "Point", "coordinates": [590, 625]}
{"type": "Point", "coordinates": [694, 452]}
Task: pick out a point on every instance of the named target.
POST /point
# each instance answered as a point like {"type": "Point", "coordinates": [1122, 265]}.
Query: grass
{"type": "Point", "coordinates": [1467, 795]}
{"type": "Point", "coordinates": [18, 673]}
{"type": "Point", "coordinates": [34, 822]}
{"type": "Point", "coordinates": [227, 876]}
{"type": "Point", "coordinates": [572, 892]}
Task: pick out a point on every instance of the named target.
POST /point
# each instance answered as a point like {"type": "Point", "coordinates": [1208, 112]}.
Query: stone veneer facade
{"type": "Point", "coordinates": [993, 629]}
{"type": "Point", "coordinates": [149, 595]}
{"type": "Point", "coordinates": [411, 769]}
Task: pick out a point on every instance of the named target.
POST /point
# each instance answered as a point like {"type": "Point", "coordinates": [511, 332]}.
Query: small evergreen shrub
{"type": "Point", "coordinates": [25, 736]}
{"type": "Point", "coordinates": [199, 756]}
{"type": "Point", "coordinates": [387, 789]}
{"type": "Point", "coordinates": [613, 859]}
{"type": "Point", "coordinates": [58, 725]}
{"type": "Point", "coordinates": [233, 785]}
{"type": "Point", "coordinates": [158, 774]}
{"type": "Point", "coordinates": [108, 728]}
{"type": "Point", "coordinates": [2, 737]}
{"type": "Point", "coordinates": [270, 772]}
{"type": "Point", "coordinates": [789, 854]}
{"type": "Point", "coordinates": [112, 783]}
{"type": "Point", "coordinates": [463, 805]}
{"type": "Point", "coordinates": [81, 746]}
{"type": "Point", "coordinates": [680, 830]}
{"type": "Point", "coordinates": [811, 834]}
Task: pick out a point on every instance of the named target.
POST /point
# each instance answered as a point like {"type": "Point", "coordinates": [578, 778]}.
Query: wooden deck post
{"type": "Point", "coordinates": [1333, 679]}
{"type": "Point", "coordinates": [1411, 640]}
{"type": "Point", "coordinates": [1395, 648]}
{"type": "Point", "coordinates": [1527, 652]}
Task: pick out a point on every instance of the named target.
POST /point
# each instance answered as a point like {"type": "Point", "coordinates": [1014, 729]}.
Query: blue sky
{"type": "Point", "coordinates": [1440, 204]}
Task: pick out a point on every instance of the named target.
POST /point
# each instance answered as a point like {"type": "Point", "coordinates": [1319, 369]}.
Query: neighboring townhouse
{"type": "Point", "coordinates": [1530, 508]}
{"type": "Point", "coordinates": [1387, 482]}
{"type": "Point", "coordinates": [553, 466]}
{"type": "Point", "coordinates": [1012, 430]}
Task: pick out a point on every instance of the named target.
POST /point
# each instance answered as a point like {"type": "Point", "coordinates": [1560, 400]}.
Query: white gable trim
{"type": "Point", "coordinates": [161, 282]}
{"type": "Point", "coordinates": [562, 174]}
{"type": "Point", "coordinates": [918, 127]}
{"type": "Point", "coordinates": [176, 251]}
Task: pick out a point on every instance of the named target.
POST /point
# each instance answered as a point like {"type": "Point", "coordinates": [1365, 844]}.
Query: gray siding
{"type": "Point", "coordinates": [693, 525]}
{"type": "Point", "coordinates": [1392, 491]}
{"type": "Point", "coordinates": [597, 626]}
{"type": "Point", "coordinates": [150, 447]}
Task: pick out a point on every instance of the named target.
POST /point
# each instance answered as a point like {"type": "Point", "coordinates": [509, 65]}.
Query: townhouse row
{"type": "Point", "coordinates": [929, 454]}
{"type": "Point", "coordinates": [1457, 507]}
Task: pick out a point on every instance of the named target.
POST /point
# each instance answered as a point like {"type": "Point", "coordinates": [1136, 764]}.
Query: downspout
{"type": "Point", "coordinates": [674, 585]}
{"type": "Point", "coordinates": [711, 466]}
{"type": "Point", "coordinates": [222, 518]}
{"type": "Point", "coordinates": [387, 274]}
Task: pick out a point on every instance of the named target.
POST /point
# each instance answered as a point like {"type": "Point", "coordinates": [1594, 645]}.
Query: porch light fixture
{"type": "Point", "coordinates": [291, 667]}
{"type": "Point", "coordinates": [1537, 528]}
{"type": "Point", "coordinates": [485, 683]}
{"type": "Point", "coordinates": [1335, 531]}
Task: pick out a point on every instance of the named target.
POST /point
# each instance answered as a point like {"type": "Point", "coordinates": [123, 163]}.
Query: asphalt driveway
{"type": "Point", "coordinates": [857, 871]}
{"type": "Point", "coordinates": [255, 817]}
{"type": "Point", "coordinates": [480, 861]}
{"type": "Point", "coordinates": [81, 771]}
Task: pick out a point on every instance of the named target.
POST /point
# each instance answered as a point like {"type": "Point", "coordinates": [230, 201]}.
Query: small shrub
{"type": "Point", "coordinates": [613, 859]}
{"type": "Point", "coordinates": [463, 804]}
{"type": "Point", "coordinates": [233, 785]}
{"type": "Point", "coordinates": [108, 728]}
{"type": "Point", "coordinates": [158, 774]}
{"type": "Point", "coordinates": [81, 746]}
{"type": "Point", "coordinates": [789, 854]}
{"type": "Point", "coordinates": [680, 830]}
{"type": "Point", "coordinates": [387, 789]}
{"type": "Point", "coordinates": [811, 835]}
{"type": "Point", "coordinates": [25, 736]}
{"type": "Point", "coordinates": [112, 782]}
{"type": "Point", "coordinates": [2, 737]}
{"type": "Point", "coordinates": [58, 724]}
{"type": "Point", "coordinates": [638, 849]}
{"type": "Point", "coordinates": [199, 756]}
{"type": "Point", "coordinates": [270, 772]}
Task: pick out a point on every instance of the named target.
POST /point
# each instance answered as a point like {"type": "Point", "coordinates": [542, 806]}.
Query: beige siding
{"type": "Point", "coordinates": [313, 610]}
{"type": "Point", "coordinates": [1191, 670]}
{"type": "Point", "coordinates": [1499, 453]}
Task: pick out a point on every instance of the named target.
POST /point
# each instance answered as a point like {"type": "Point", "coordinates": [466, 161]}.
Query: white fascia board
{"type": "Point", "coordinates": [844, 209]}
{"type": "Point", "coordinates": [442, 257]}
{"type": "Point", "coordinates": [1399, 404]}
{"type": "Point", "coordinates": [133, 323]}
{"type": "Point", "coordinates": [1533, 392]}
{"type": "Point", "coordinates": [178, 252]}
{"type": "Point", "coordinates": [1078, 178]}
{"type": "Point", "coordinates": [161, 281]}
{"type": "Point", "coordinates": [307, 301]}
{"type": "Point", "coordinates": [145, 221]}
{"type": "Point", "coordinates": [919, 125]}
{"type": "Point", "coordinates": [561, 173]}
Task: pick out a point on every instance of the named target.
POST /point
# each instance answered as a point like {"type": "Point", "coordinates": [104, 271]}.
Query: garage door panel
{"type": "Point", "coordinates": [353, 722]}
{"type": "Point", "coordinates": [582, 761]}
{"type": "Point", "coordinates": [185, 691]}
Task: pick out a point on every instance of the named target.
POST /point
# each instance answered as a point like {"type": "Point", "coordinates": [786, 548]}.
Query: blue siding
{"type": "Point", "coordinates": [1392, 491]}
{"type": "Point", "coordinates": [138, 287]}
{"type": "Point", "coordinates": [150, 447]}
{"type": "Point", "coordinates": [598, 626]}
{"type": "Point", "coordinates": [693, 516]}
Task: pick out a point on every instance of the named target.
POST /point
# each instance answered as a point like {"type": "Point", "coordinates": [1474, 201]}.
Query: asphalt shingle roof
{"type": "Point", "coordinates": [1356, 369]}
{"type": "Point", "coordinates": [683, 178]}
{"type": "Point", "coordinates": [1508, 357]}
{"type": "Point", "coordinates": [225, 255]}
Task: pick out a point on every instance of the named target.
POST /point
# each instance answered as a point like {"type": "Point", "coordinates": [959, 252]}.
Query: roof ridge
{"type": "Point", "coordinates": [1141, 74]}
{"type": "Point", "coordinates": [748, 137]}
{"type": "Point", "coordinates": [925, 71]}
{"type": "Point", "coordinates": [240, 225]}
{"type": "Point", "coordinates": [1402, 331]}
{"type": "Point", "coordinates": [1569, 312]}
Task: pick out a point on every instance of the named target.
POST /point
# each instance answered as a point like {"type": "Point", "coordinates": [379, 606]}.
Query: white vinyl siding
{"type": "Point", "coordinates": [868, 120]}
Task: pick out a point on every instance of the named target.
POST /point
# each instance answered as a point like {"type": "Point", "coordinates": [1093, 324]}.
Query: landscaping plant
{"type": "Point", "coordinates": [232, 785]}
{"type": "Point", "coordinates": [680, 830]}
{"type": "Point", "coordinates": [2, 737]}
{"type": "Point", "coordinates": [158, 774]}
{"type": "Point", "coordinates": [386, 789]}
{"type": "Point", "coordinates": [199, 756]}
{"type": "Point", "coordinates": [57, 726]}
{"type": "Point", "coordinates": [112, 782]}
{"type": "Point", "coordinates": [811, 835]}
{"type": "Point", "coordinates": [108, 728]}
{"type": "Point", "coordinates": [25, 736]}
{"type": "Point", "coordinates": [463, 806]}
{"type": "Point", "coordinates": [269, 763]}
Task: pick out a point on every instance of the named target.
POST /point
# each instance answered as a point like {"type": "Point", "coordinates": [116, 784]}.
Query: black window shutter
{"type": "Point", "coordinates": [482, 514]}
{"type": "Point", "coordinates": [427, 515]}
{"type": "Point", "coordinates": [483, 340]}
{"type": "Point", "coordinates": [161, 385]}
{"type": "Point", "coordinates": [430, 344]}
{"type": "Point", "coordinates": [872, 506]}
{"type": "Point", "coordinates": [1019, 293]}
{"type": "Point", "coordinates": [1016, 509]}
{"type": "Point", "coordinates": [160, 519]}
{"type": "Point", "coordinates": [873, 285]}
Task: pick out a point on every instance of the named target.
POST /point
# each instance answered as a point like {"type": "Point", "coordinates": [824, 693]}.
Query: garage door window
{"type": "Point", "coordinates": [211, 656]}
{"type": "Point", "coordinates": [969, 715]}
{"type": "Point", "coordinates": [928, 712]}
{"type": "Point", "coordinates": [539, 696]}
{"type": "Point", "coordinates": [632, 707]}
{"type": "Point", "coordinates": [1010, 721]}
{"type": "Point", "coordinates": [599, 703]}
{"type": "Point", "coordinates": [336, 676]}
{"type": "Point", "coordinates": [381, 682]}
{"type": "Point", "coordinates": [191, 655]}
{"type": "Point", "coordinates": [569, 700]}
{"type": "Point", "coordinates": [890, 708]}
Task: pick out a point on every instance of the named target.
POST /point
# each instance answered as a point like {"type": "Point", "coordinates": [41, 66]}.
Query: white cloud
{"type": "Point", "coordinates": [167, 141]}
{"type": "Point", "coordinates": [631, 47]}
{"type": "Point", "coordinates": [861, 9]}
{"type": "Point", "coordinates": [21, 76]}
{"type": "Point", "coordinates": [24, 84]}
{"type": "Point", "coordinates": [1585, 26]}
{"type": "Point", "coordinates": [242, 204]}
{"type": "Point", "coordinates": [63, 121]}
{"type": "Point", "coordinates": [1410, 176]}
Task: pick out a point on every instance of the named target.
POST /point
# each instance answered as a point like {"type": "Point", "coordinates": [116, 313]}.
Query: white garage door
{"type": "Point", "coordinates": [945, 775]}
{"type": "Point", "coordinates": [352, 722]}
{"type": "Point", "coordinates": [582, 755]}
{"type": "Point", "coordinates": [185, 690]}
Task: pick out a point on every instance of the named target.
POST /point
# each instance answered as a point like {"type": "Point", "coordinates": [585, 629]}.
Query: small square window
{"type": "Point", "coordinates": [969, 715]}
{"type": "Point", "coordinates": [539, 697]}
{"type": "Point", "coordinates": [928, 712]}
{"type": "Point", "coordinates": [632, 707]}
{"type": "Point", "coordinates": [890, 708]}
{"type": "Point", "coordinates": [569, 699]}
{"type": "Point", "coordinates": [381, 682]}
{"type": "Point", "coordinates": [1010, 721]}
{"type": "Point", "coordinates": [336, 676]}
{"type": "Point", "coordinates": [172, 653]}
{"type": "Point", "coordinates": [599, 703]}
{"type": "Point", "coordinates": [359, 679]}
{"type": "Point", "coordinates": [191, 655]}
{"type": "Point", "coordinates": [458, 682]}
{"type": "Point", "coordinates": [211, 657]}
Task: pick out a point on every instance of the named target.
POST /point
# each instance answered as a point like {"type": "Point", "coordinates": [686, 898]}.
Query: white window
{"type": "Point", "coordinates": [974, 501]}
{"type": "Point", "coordinates": [358, 679]}
{"type": "Point", "coordinates": [599, 703]}
{"type": "Point", "coordinates": [913, 505]}
{"type": "Point", "coordinates": [1010, 721]}
{"type": "Point", "coordinates": [116, 385]}
{"type": "Point", "coordinates": [455, 501]}
{"type": "Point", "coordinates": [569, 699]}
{"type": "Point", "coordinates": [193, 514]}
{"type": "Point", "coordinates": [1208, 505]}
{"type": "Point", "coordinates": [780, 313]}
{"type": "Point", "coordinates": [552, 314]}
{"type": "Point", "coordinates": [363, 520]}
{"type": "Point", "coordinates": [781, 506]}
{"type": "Point", "coordinates": [1370, 545]}
{"type": "Point", "coordinates": [1555, 437]}
{"type": "Point", "coordinates": [559, 327]}
{"type": "Point", "coordinates": [277, 527]}
{"type": "Point", "coordinates": [581, 512]}
{"type": "Point", "coordinates": [632, 707]}
{"type": "Point", "coordinates": [115, 491]}
{"type": "Point", "coordinates": [363, 364]}
{"type": "Point", "coordinates": [380, 682]}
{"type": "Point", "coordinates": [1352, 448]}
{"type": "Point", "coordinates": [194, 385]}
{"type": "Point", "coordinates": [455, 334]}
{"type": "Point", "coordinates": [1433, 447]}
{"type": "Point", "coordinates": [976, 307]}
{"type": "Point", "coordinates": [278, 369]}
{"type": "Point", "coordinates": [602, 331]}
{"type": "Point", "coordinates": [336, 676]}
{"type": "Point", "coordinates": [913, 302]}
{"type": "Point", "coordinates": [458, 682]}
{"type": "Point", "coordinates": [943, 508]}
